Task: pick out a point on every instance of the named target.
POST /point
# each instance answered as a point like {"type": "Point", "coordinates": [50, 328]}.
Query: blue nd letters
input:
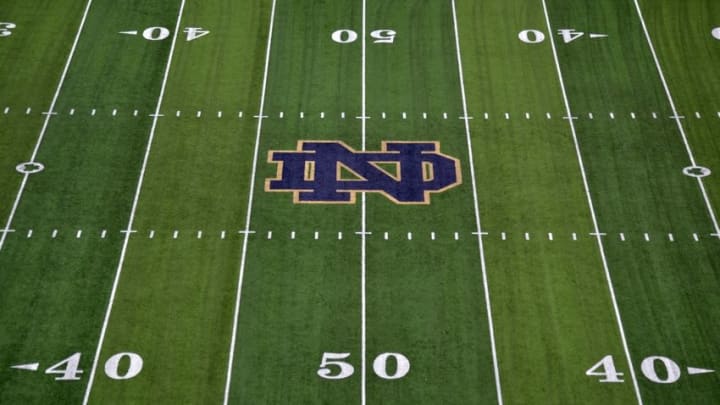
{"type": "Point", "coordinates": [331, 172]}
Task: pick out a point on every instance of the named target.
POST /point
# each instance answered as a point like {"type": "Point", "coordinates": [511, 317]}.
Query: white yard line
{"type": "Point", "coordinates": [129, 231]}
{"type": "Point", "coordinates": [246, 234]}
{"type": "Point", "coordinates": [597, 233]}
{"type": "Point", "coordinates": [481, 248]}
{"type": "Point", "coordinates": [363, 230]}
{"type": "Point", "coordinates": [19, 195]}
{"type": "Point", "coordinates": [677, 118]}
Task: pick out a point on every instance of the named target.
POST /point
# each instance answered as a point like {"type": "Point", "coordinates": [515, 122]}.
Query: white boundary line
{"type": "Point", "coordinates": [134, 206]}
{"type": "Point", "coordinates": [677, 118]}
{"type": "Point", "coordinates": [481, 248]}
{"type": "Point", "coordinates": [363, 230]}
{"type": "Point", "coordinates": [246, 234]}
{"type": "Point", "coordinates": [591, 205]}
{"type": "Point", "coordinates": [8, 224]}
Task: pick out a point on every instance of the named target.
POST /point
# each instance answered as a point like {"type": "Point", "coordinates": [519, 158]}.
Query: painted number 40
{"type": "Point", "coordinates": [658, 369]}
{"type": "Point", "coordinates": [334, 366]}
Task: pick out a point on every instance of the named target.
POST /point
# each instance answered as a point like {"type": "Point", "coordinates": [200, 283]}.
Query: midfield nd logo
{"type": "Point", "coordinates": [331, 172]}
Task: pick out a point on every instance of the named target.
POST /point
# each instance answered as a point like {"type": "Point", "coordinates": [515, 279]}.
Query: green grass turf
{"type": "Point", "coordinates": [551, 305]}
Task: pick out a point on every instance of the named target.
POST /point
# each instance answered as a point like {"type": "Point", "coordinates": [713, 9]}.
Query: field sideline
{"type": "Point", "coordinates": [395, 202]}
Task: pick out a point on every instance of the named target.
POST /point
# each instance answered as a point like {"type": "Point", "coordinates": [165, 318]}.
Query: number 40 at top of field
{"type": "Point", "coordinates": [161, 33]}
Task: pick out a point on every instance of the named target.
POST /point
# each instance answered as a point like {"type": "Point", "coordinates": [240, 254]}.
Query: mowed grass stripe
{"type": "Point", "coordinates": [53, 288]}
{"type": "Point", "coordinates": [552, 310]}
{"type": "Point", "coordinates": [301, 296]}
{"type": "Point", "coordinates": [688, 54]}
{"type": "Point", "coordinates": [635, 174]}
{"type": "Point", "coordinates": [196, 184]}
{"type": "Point", "coordinates": [29, 74]}
{"type": "Point", "coordinates": [425, 297]}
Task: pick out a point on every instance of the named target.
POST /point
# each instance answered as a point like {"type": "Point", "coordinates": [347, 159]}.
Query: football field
{"type": "Point", "coordinates": [359, 202]}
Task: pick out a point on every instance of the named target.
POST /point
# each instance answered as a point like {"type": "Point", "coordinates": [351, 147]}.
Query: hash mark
{"type": "Point", "coordinates": [590, 115]}
{"type": "Point", "coordinates": [671, 237]}
{"type": "Point", "coordinates": [404, 115]}
{"type": "Point", "coordinates": [487, 116]}
{"type": "Point", "coordinates": [548, 115]}
{"type": "Point", "coordinates": [54, 233]}
{"type": "Point", "coordinates": [135, 113]}
{"type": "Point", "coordinates": [199, 234]}
{"type": "Point", "coordinates": [103, 234]}
{"type": "Point", "coordinates": [385, 236]}
{"type": "Point", "coordinates": [424, 115]}
{"type": "Point", "coordinates": [7, 110]}
{"type": "Point", "coordinates": [240, 114]}
{"type": "Point", "coordinates": [697, 115]}
{"type": "Point", "coordinates": [384, 115]}
{"type": "Point", "coordinates": [632, 115]}
{"type": "Point", "coordinates": [322, 115]}
{"type": "Point", "coordinates": [175, 234]}
{"type": "Point", "coordinates": [654, 115]}
{"type": "Point", "coordinates": [507, 116]}
{"type": "Point", "coordinates": [27, 112]}
{"type": "Point", "coordinates": [177, 113]}
{"type": "Point", "coordinates": [317, 235]}
{"type": "Point", "coordinates": [612, 116]}
{"type": "Point", "coordinates": [219, 114]}
{"type": "Point", "coordinates": [72, 111]}
{"type": "Point", "coordinates": [222, 235]}
{"type": "Point", "coordinates": [527, 115]}
{"type": "Point", "coordinates": [527, 236]}
{"type": "Point", "coordinates": [622, 237]}
{"type": "Point", "coordinates": [198, 114]}
{"type": "Point", "coordinates": [574, 236]}
{"type": "Point", "coordinates": [457, 236]}
{"type": "Point", "coordinates": [114, 112]}
{"type": "Point", "coordinates": [695, 236]}
{"type": "Point", "coordinates": [647, 237]}
{"type": "Point", "coordinates": [93, 112]}
{"type": "Point", "coordinates": [29, 234]}
{"type": "Point", "coordinates": [78, 235]}
{"type": "Point", "coordinates": [340, 236]}
{"type": "Point", "coordinates": [550, 236]}
{"type": "Point", "coordinates": [445, 115]}
{"type": "Point", "coordinates": [503, 236]}
{"type": "Point", "coordinates": [292, 235]}
{"type": "Point", "coordinates": [409, 235]}
{"type": "Point", "coordinates": [302, 115]}
{"type": "Point", "coordinates": [269, 235]}
{"type": "Point", "coordinates": [152, 234]}
{"type": "Point", "coordinates": [432, 235]}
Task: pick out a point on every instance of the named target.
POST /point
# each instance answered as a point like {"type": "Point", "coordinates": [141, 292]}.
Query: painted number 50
{"type": "Point", "coordinates": [346, 36]}
{"type": "Point", "coordinates": [334, 367]}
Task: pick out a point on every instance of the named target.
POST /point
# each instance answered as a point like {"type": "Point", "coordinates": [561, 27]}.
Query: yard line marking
{"type": "Point", "coordinates": [256, 152]}
{"type": "Point", "coordinates": [131, 220]}
{"type": "Point", "coordinates": [49, 113]}
{"type": "Point", "coordinates": [363, 219]}
{"type": "Point", "coordinates": [591, 206]}
{"type": "Point", "coordinates": [46, 122]}
{"type": "Point", "coordinates": [478, 226]}
{"type": "Point", "coordinates": [681, 128]}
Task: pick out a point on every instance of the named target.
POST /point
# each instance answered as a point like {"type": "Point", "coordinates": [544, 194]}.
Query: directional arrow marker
{"type": "Point", "coordinates": [694, 370]}
{"type": "Point", "coordinates": [30, 367]}
{"type": "Point", "coordinates": [594, 36]}
{"type": "Point", "coordinates": [128, 32]}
